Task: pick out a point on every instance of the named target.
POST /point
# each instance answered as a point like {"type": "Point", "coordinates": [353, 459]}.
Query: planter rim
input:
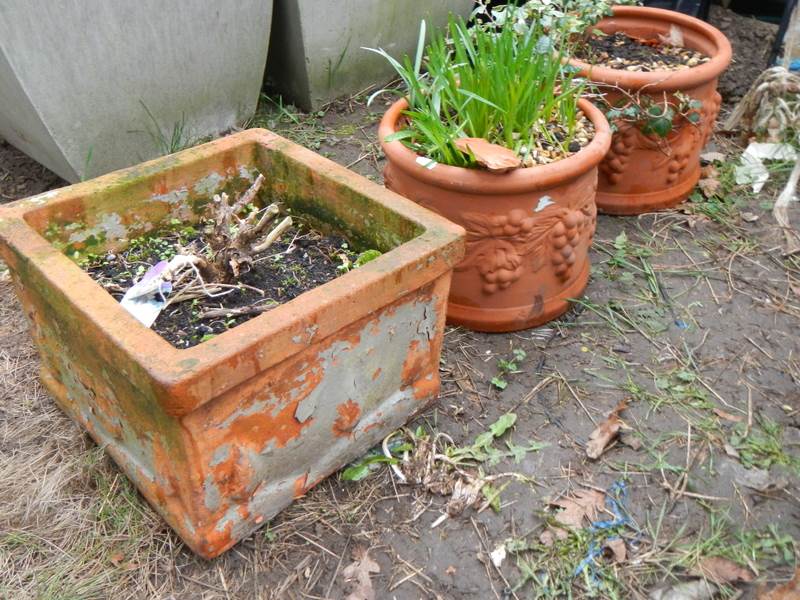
{"type": "Point", "coordinates": [663, 80]}
{"type": "Point", "coordinates": [478, 181]}
{"type": "Point", "coordinates": [279, 333]}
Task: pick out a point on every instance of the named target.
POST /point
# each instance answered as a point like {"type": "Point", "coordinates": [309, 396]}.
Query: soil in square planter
{"type": "Point", "coordinates": [621, 51]}
{"type": "Point", "coordinates": [300, 260]}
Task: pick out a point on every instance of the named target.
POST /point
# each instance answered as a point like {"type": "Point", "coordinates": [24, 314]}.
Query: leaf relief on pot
{"type": "Point", "coordinates": [503, 247]}
{"type": "Point", "coordinates": [677, 148]}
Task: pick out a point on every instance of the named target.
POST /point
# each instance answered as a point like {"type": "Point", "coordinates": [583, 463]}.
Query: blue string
{"type": "Point", "coordinates": [617, 503]}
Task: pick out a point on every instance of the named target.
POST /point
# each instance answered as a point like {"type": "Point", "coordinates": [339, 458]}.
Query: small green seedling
{"type": "Point", "coordinates": [508, 367]}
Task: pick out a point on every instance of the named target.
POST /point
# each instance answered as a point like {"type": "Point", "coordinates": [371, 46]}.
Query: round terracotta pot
{"type": "Point", "coordinates": [528, 230]}
{"type": "Point", "coordinates": [643, 173]}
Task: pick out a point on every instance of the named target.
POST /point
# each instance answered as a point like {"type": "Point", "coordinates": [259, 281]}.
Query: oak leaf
{"type": "Point", "coordinates": [357, 575]}
{"type": "Point", "coordinates": [787, 591]}
{"type": "Point", "coordinates": [721, 570]}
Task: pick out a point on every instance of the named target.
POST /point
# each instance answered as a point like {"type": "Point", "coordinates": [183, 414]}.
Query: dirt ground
{"type": "Point", "coordinates": [691, 317]}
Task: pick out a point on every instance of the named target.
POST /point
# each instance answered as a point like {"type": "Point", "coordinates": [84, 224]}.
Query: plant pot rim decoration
{"type": "Point", "coordinates": [660, 81]}
{"type": "Point", "coordinates": [221, 436]}
{"type": "Point", "coordinates": [481, 181]}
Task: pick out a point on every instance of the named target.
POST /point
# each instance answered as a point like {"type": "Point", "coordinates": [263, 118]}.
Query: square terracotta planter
{"type": "Point", "coordinates": [222, 436]}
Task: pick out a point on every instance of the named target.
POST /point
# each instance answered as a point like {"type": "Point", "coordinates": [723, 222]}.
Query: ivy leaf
{"type": "Point", "coordinates": [660, 126]}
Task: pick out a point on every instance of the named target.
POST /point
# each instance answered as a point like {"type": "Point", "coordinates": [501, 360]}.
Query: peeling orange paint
{"type": "Point", "coordinates": [300, 486]}
{"type": "Point", "coordinates": [346, 421]}
{"type": "Point", "coordinates": [232, 476]}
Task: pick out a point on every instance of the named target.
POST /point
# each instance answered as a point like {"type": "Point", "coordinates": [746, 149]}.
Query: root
{"type": "Point", "coordinates": [234, 240]}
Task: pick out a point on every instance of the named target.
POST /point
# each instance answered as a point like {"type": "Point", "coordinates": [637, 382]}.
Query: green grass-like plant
{"type": "Point", "coordinates": [489, 81]}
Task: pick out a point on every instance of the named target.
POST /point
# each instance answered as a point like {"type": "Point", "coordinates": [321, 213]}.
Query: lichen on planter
{"type": "Point", "coordinates": [221, 436]}
{"type": "Point", "coordinates": [643, 172]}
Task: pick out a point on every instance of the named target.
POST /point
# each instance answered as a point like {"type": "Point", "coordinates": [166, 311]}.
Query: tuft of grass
{"type": "Point", "coordinates": [762, 446]}
{"type": "Point", "coordinates": [169, 142]}
{"type": "Point", "coordinates": [487, 81]}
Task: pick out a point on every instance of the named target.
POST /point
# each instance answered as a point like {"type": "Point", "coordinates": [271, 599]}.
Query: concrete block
{"type": "Point", "coordinates": [315, 51]}
{"type": "Point", "coordinates": [76, 75]}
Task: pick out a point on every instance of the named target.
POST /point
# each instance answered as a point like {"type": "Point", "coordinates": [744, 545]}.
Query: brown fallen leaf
{"type": "Point", "coordinates": [721, 570]}
{"type": "Point", "coordinates": [495, 158]}
{"type": "Point", "coordinates": [618, 549]}
{"type": "Point", "coordinates": [548, 538]}
{"type": "Point", "coordinates": [786, 591]}
{"type": "Point", "coordinates": [709, 186]}
{"type": "Point", "coordinates": [602, 436]}
{"type": "Point", "coordinates": [728, 416]}
{"type": "Point", "coordinates": [631, 441]}
{"type": "Point", "coordinates": [582, 505]}
{"type": "Point", "coordinates": [357, 575]}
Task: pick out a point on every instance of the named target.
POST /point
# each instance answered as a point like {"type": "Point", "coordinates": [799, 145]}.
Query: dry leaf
{"type": "Point", "coordinates": [731, 451]}
{"type": "Point", "coordinates": [728, 416]}
{"type": "Point", "coordinates": [749, 217]}
{"type": "Point", "coordinates": [464, 495]}
{"type": "Point", "coordinates": [357, 575]}
{"type": "Point", "coordinates": [708, 186]}
{"type": "Point", "coordinates": [721, 570]}
{"type": "Point", "coordinates": [602, 436]}
{"type": "Point", "coordinates": [787, 591]}
{"type": "Point", "coordinates": [497, 159]}
{"type": "Point", "coordinates": [630, 440]}
{"type": "Point", "coordinates": [583, 504]}
{"type": "Point", "coordinates": [689, 590]}
{"type": "Point", "coordinates": [618, 549]}
{"type": "Point", "coordinates": [548, 538]}
{"type": "Point", "coordinates": [673, 38]}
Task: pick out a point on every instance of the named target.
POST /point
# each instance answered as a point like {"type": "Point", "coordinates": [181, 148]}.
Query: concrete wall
{"type": "Point", "coordinates": [74, 75]}
{"type": "Point", "coordinates": [315, 52]}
